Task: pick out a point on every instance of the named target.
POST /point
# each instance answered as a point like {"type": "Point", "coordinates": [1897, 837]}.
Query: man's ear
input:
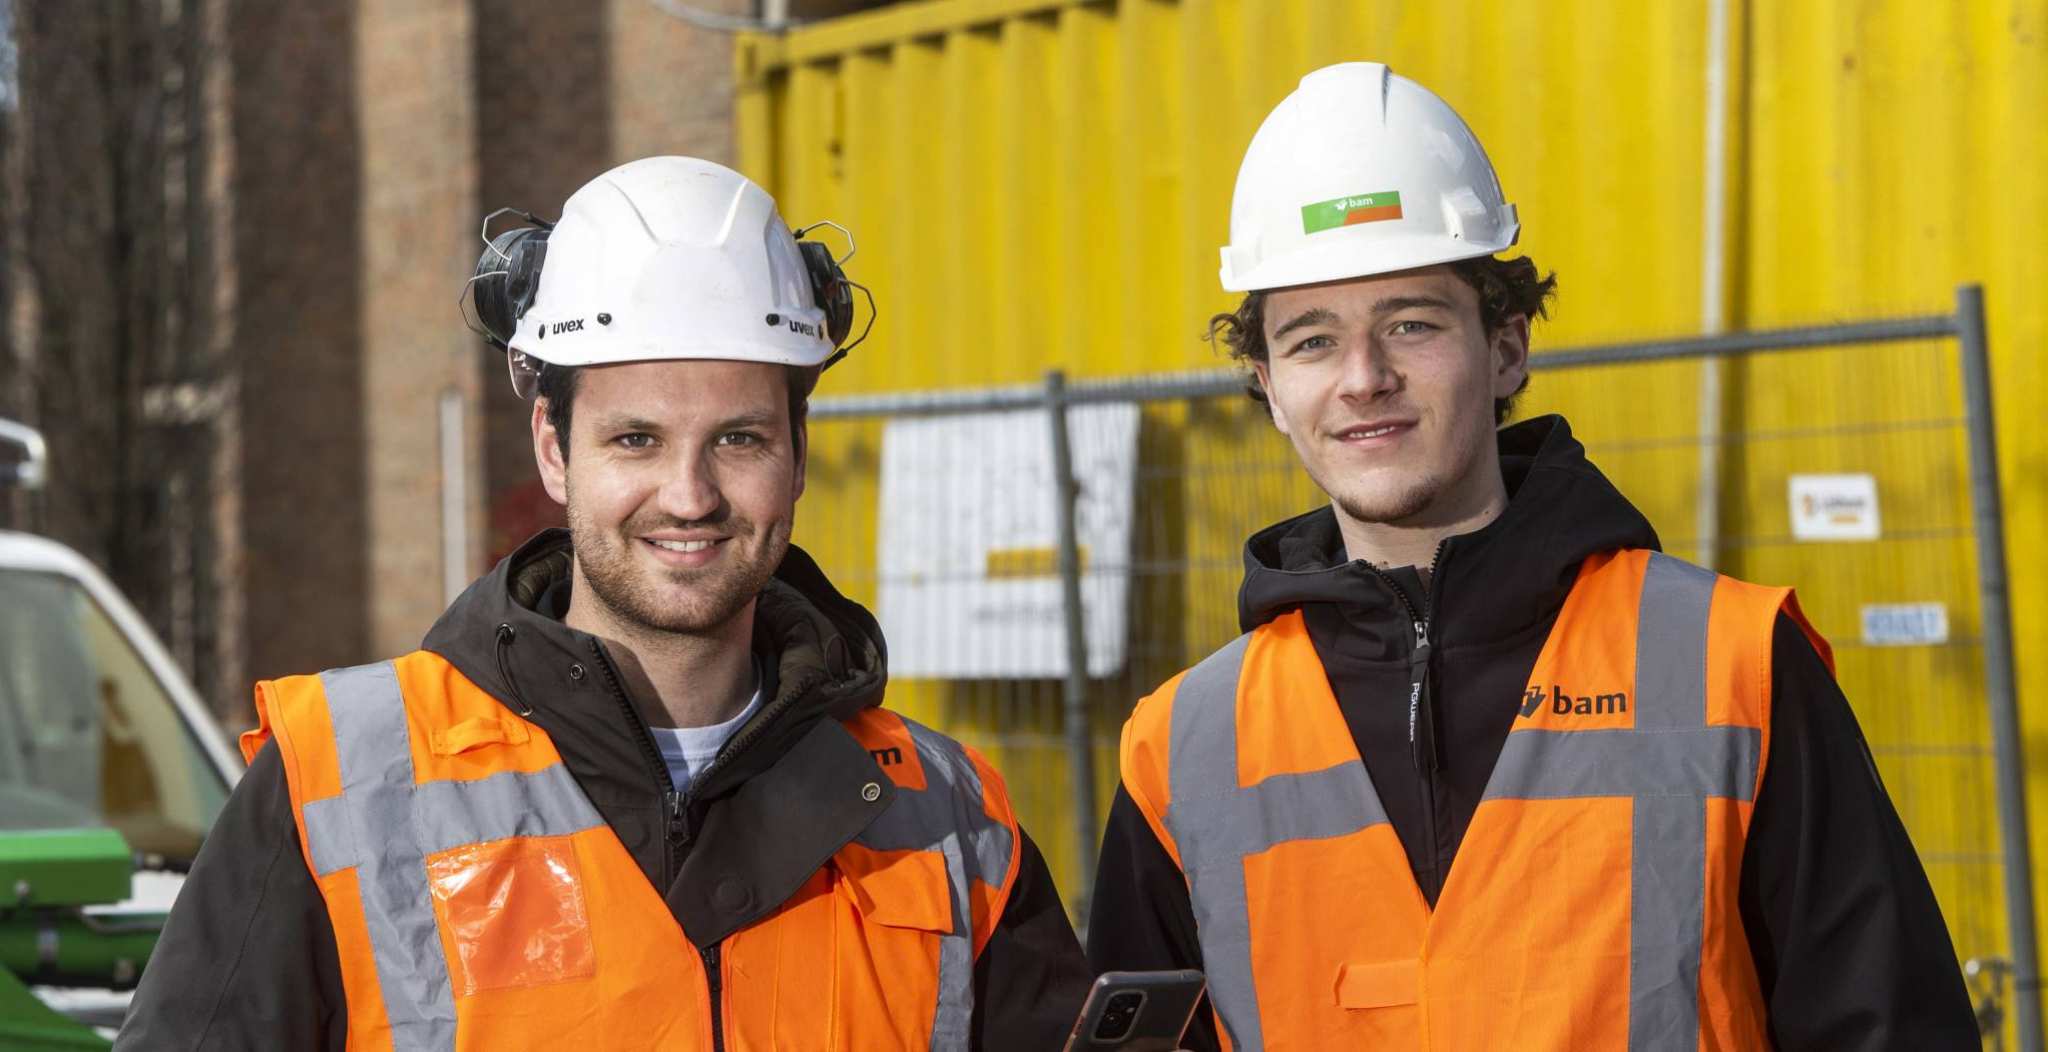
{"type": "Point", "coordinates": [1510, 348]}
{"type": "Point", "coordinates": [1265, 376]}
{"type": "Point", "coordinates": [547, 455]}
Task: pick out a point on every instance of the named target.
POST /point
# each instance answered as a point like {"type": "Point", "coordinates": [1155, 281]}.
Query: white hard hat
{"type": "Point", "coordinates": [667, 258]}
{"type": "Point", "coordinates": [1360, 172]}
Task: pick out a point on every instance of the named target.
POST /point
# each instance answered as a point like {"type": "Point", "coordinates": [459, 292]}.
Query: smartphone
{"type": "Point", "coordinates": [1136, 1012]}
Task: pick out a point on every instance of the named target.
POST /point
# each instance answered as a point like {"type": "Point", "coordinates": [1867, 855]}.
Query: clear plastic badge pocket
{"type": "Point", "coordinates": [512, 914]}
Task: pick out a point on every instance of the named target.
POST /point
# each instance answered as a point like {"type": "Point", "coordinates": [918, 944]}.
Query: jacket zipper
{"type": "Point", "coordinates": [671, 799]}
{"type": "Point", "coordinates": [714, 982]}
{"type": "Point", "coordinates": [680, 801]}
{"type": "Point", "coordinates": [1424, 748]}
{"type": "Point", "coordinates": [1421, 707]}
{"type": "Point", "coordinates": [675, 804]}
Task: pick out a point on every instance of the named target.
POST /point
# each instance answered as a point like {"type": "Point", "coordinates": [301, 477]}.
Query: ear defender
{"type": "Point", "coordinates": [831, 289]}
{"type": "Point", "coordinates": [506, 279]}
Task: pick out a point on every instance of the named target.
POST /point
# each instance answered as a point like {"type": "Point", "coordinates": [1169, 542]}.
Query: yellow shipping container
{"type": "Point", "coordinates": [1044, 183]}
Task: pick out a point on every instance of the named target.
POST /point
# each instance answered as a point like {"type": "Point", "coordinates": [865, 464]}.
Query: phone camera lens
{"type": "Point", "coordinates": [1118, 1016]}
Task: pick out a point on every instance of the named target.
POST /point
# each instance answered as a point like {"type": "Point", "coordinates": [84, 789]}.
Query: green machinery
{"type": "Point", "coordinates": [48, 937]}
{"type": "Point", "coordinates": [111, 771]}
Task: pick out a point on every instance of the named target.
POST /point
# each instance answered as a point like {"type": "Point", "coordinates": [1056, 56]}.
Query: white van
{"type": "Point", "coordinates": [98, 730]}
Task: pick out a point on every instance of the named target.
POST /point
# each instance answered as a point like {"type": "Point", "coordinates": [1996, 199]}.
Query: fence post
{"type": "Point", "coordinates": [1988, 513]}
{"type": "Point", "coordinates": [1080, 737]}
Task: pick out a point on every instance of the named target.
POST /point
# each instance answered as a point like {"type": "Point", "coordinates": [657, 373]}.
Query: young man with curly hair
{"type": "Point", "coordinates": [1488, 770]}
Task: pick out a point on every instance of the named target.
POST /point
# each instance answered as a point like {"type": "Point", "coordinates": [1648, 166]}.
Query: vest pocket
{"type": "Point", "coordinates": [512, 914]}
{"type": "Point", "coordinates": [898, 889]}
{"type": "Point", "coordinates": [893, 923]}
{"type": "Point", "coordinates": [1379, 984]}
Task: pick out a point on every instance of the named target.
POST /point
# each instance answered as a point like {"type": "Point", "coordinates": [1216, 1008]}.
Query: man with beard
{"type": "Point", "coordinates": [1488, 770]}
{"type": "Point", "coordinates": [636, 790]}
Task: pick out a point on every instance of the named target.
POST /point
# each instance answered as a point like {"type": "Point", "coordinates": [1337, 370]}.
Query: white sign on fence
{"type": "Point", "coordinates": [1905, 624]}
{"type": "Point", "coordinates": [969, 548]}
{"type": "Point", "coordinates": [1834, 507]}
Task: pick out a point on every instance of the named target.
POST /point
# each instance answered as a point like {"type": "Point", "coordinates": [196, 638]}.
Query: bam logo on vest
{"type": "Point", "coordinates": [1564, 704]}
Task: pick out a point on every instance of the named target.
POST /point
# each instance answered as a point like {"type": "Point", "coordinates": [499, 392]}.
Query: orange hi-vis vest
{"type": "Point", "coordinates": [479, 901]}
{"type": "Point", "coordinates": [1592, 905]}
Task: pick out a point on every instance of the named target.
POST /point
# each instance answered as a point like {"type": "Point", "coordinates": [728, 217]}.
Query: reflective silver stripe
{"type": "Point", "coordinates": [1667, 904]}
{"type": "Point", "coordinates": [329, 837]}
{"type": "Point", "coordinates": [1559, 765]}
{"type": "Point", "coordinates": [1216, 824]}
{"type": "Point", "coordinates": [1667, 884]}
{"type": "Point", "coordinates": [1202, 741]}
{"type": "Point", "coordinates": [374, 749]}
{"type": "Point", "coordinates": [1671, 645]}
{"type": "Point", "coordinates": [403, 822]}
{"type": "Point", "coordinates": [547, 802]}
{"type": "Point", "coordinates": [950, 817]}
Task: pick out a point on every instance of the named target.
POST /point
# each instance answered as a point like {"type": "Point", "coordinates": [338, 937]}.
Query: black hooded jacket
{"type": "Point", "coordinates": [1849, 944]}
{"type": "Point", "coordinates": [248, 961]}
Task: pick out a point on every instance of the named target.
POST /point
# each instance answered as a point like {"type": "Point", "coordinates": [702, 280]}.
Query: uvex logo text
{"type": "Point", "coordinates": [1564, 704]}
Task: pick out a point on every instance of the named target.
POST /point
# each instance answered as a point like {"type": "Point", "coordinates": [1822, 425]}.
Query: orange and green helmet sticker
{"type": "Point", "coordinates": [1350, 210]}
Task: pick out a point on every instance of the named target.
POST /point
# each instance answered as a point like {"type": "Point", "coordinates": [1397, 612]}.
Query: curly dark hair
{"type": "Point", "coordinates": [1507, 288]}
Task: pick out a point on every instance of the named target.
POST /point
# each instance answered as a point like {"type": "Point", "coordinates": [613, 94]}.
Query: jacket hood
{"type": "Point", "coordinates": [824, 653]}
{"type": "Point", "coordinates": [1495, 583]}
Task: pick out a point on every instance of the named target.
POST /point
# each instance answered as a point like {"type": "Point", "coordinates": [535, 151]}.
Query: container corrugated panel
{"type": "Point", "coordinates": [1893, 151]}
{"type": "Point", "coordinates": [1045, 184]}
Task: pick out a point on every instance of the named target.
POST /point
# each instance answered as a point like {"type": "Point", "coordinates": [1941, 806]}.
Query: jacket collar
{"type": "Point", "coordinates": [506, 634]}
{"type": "Point", "coordinates": [791, 768]}
{"type": "Point", "coordinates": [1491, 585]}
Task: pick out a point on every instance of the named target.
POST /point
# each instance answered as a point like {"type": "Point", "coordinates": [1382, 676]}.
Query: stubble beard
{"type": "Point", "coordinates": [638, 599]}
{"type": "Point", "coordinates": [1407, 500]}
{"type": "Point", "coordinates": [1390, 508]}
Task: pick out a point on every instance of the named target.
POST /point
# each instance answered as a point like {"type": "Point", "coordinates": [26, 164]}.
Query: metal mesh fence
{"type": "Point", "coordinates": [1904, 610]}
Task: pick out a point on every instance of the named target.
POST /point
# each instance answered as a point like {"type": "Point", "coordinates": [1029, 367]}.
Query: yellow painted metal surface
{"type": "Point", "coordinates": [1044, 184]}
{"type": "Point", "coordinates": [1894, 151]}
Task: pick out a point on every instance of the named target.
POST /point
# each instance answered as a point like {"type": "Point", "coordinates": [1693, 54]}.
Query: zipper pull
{"type": "Point", "coordinates": [678, 826]}
{"type": "Point", "coordinates": [1422, 715]}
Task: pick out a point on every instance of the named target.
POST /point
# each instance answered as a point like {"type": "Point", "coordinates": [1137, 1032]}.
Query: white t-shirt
{"type": "Point", "coordinates": [688, 750]}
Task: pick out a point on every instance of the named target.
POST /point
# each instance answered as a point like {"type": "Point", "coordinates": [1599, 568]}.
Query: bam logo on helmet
{"type": "Point", "coordinates": [1563, 704]}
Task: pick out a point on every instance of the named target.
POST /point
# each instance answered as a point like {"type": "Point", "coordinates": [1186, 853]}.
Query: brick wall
{"type": "Point", "coordinates": [346, 152]}
{"type": "Point", "coordinates": [671, 82]}
{"type": "Point", "coordinates": [543, 129]}
{"type": "Point", "coordinates": [298, 256]}
{"type": "Point", "coordinates": [417, 126]}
